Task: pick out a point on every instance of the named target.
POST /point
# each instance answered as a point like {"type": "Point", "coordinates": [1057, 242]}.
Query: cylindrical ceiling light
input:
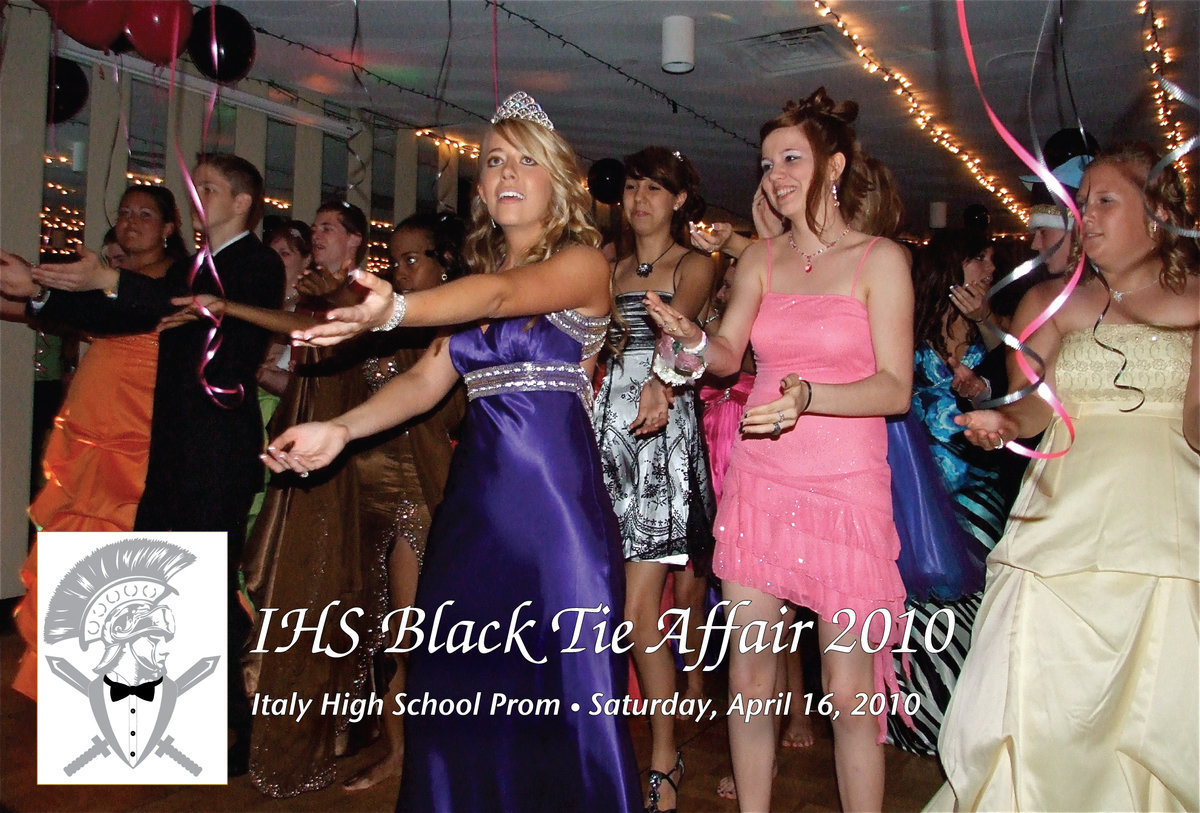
{"type": "Point", "coordinates": [678, 44]}
{"type": "Point", "coordinates": [937, 214]}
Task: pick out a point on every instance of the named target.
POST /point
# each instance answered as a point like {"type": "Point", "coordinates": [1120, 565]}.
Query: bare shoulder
{"type": "Point", "coordinates": [695, 262]}
{"type": "Point", "coordinates": [586, 271]}
{"type": "Point", "coordinates": [884, 255]}
{"type": "Point", "coordinates": [885, 265]}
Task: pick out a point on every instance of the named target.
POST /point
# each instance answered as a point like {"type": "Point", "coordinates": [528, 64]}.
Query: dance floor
{"type": "Point", "coordinates": [805, 783]}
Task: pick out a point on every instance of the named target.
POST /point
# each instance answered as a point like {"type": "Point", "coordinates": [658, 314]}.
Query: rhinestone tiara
{"type": "Point", "coordinates": [521, 105]}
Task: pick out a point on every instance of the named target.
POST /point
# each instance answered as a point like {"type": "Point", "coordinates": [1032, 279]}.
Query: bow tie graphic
{"type": "Point", "coordinates": [119, 691]}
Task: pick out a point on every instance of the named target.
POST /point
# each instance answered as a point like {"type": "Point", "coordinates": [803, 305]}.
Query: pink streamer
{"type": "Point", "coordinates": [1037, 380]}
{"type": "Point", "coordinates": [204, 257]}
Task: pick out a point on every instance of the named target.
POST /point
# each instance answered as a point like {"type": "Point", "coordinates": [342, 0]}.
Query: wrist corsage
{"type": "Point", "coordinates": [675, 364]}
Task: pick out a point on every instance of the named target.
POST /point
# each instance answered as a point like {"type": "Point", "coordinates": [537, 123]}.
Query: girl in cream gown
{"type": "Point", "coordinates": [1080, 688]}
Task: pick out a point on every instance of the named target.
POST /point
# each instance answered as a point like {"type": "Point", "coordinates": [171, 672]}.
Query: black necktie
{"type": "Point", "coordinates": [119, 691]}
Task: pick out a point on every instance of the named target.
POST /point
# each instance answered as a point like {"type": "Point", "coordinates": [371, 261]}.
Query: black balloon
{"type": "Point", "coordinates": [121, 45]}
{"type": "Point", "coordinates": [235, 43]}
{"type": "Point", "coordinates": [606, 180]}
{"type": "Point", "coordinates": [67, 90]}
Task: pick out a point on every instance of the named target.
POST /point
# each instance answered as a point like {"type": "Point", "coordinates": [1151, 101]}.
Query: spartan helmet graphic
{"type": "Point", "coordinates": [115, 596]}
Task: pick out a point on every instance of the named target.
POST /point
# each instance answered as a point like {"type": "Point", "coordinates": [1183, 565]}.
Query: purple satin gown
{"type": "Point", "coordinates": [526, 518]}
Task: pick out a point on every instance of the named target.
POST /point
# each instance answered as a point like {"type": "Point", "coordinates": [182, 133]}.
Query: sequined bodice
{"type": "Point", "coordinates": [524, 354]}
{"type": "Point", "coordinates": [1157, 362]}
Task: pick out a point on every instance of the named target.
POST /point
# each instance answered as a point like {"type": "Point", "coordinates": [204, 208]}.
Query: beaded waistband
{"type": "Point", "coordinates": [529, 376]}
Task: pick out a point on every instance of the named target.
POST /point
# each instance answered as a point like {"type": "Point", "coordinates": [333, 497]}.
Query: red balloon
{"type": "Point", "coordinates": [94, 23]}
{"type": "Point", "coordinates": [159, 29]}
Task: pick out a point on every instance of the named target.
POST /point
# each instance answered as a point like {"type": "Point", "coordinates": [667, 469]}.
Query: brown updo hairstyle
{"type": "Point", "coordinates": [674, 172]}
{"type": "Point", "coordinates": [296, 233]}
{"type": "Point", "coordinates": [829, 129]}
{"type": "Point", "coordinates": [1167, 197]}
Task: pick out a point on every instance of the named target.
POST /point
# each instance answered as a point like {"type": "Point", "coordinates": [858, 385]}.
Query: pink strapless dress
{"type": "Point", "coordinates": [807, 517]}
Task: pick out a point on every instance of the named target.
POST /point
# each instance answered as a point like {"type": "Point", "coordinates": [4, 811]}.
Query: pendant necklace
{"type": "Point", "coordinates": [1119, 296]}
{"type": "Point", "coordinates": [808, 258]}
{"type": "Point", "coordinates": [643, 269]}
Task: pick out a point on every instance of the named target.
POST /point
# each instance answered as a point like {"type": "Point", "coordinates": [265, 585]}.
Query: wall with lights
{"type": "Point", "coordinates": [940, 134]}
{"type": "Point", "coordinates": [29, 228]}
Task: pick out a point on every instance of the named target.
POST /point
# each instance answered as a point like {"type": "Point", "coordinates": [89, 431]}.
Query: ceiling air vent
{"type": "Point", "coordinates": [795, 50]}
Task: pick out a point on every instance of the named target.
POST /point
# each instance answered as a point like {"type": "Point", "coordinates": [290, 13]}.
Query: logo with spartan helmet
{"type": "Point", "coordinates": [117, 597]}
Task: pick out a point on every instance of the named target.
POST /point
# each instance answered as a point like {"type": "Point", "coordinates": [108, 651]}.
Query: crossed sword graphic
{"type": "Point", "coordinates": [100, 746]}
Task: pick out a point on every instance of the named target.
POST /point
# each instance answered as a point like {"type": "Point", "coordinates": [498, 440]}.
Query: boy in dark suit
{"type": "Point", "coordinates": [206, 432]}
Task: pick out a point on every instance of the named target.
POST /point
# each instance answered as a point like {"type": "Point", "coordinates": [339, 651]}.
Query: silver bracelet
{"type": "Point", "coordinates": [398, 308]}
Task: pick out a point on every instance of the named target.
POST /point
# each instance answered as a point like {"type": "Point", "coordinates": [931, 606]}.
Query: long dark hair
{"type": "Point", "coordinates": [935, 268]}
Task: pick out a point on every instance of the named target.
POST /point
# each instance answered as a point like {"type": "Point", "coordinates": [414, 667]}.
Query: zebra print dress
{"type": "Point", "coordinates": [981, 497]}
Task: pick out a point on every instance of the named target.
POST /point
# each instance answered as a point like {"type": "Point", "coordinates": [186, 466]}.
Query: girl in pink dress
{"type": "Point", "coordinates": [805, 514]}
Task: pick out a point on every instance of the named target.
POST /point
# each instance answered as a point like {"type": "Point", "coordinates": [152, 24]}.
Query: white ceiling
{"type": "Point", "coordinates": [604, 114]}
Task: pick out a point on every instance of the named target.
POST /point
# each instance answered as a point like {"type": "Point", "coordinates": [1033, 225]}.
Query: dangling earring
{"type": "Point", "coordinates": [833, 191]}
{"type": "Point", "coordinates": [445, 276]}
{"type": "Point", "coordinates": [1154, 227]}
{"type": "Point", "coordinates": [493, 221]}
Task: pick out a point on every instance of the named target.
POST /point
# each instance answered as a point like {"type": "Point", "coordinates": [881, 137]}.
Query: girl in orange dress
{"type": "Point", "coordinates": [95, 459]}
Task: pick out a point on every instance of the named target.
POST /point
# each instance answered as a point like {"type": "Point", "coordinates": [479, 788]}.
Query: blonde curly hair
{"type": "Point", "coordinates": [1167, 197]}
{"type": "Point", "coordinates": [569, 221]}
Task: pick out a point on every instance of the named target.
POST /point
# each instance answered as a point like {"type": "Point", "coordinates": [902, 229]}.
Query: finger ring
{"type": "Point", "coordinates": [780, 417]}
{"type": "Point", "coordinates": [999, 444]}
{"type": "Point", "coordinates": [776, 429]}
{"type": "Point", "coordinates": [303, 474]}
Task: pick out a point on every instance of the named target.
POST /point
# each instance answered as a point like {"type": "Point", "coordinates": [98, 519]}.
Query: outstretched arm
{"type": "Point", "coordinates": [728, 346]}
{"type": "Point", "coordinates": [991, 429]}
{"type": "Point", "coordinates": [574, 278]}
{"type": "Point", "coordinates": [416, 391]}
{"type": "Point", "coordinates": [276, 321]}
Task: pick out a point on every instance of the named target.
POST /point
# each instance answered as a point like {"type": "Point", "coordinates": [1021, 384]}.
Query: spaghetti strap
{"type": "Point", "coordinates": [861, 263]}
{"type": "Point", "coordinates": [768, 242]}
{"type": "Point", "coordinates": [675, 273]}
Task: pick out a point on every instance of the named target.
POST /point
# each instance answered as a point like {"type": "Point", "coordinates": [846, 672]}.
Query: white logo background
{"type": "Point", "coordinates": [198, 724]}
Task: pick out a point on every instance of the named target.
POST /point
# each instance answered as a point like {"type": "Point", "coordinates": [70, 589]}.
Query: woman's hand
{"type": "Point", "coordinates": [654, 406]}
{"type": "Point", "coordinates": [988, 428]}
{"type": "Point", "coordinates": [305, 447]}
{"type": "Point", "coordinates": [782, 413]}
{"type": "Point", "coordinates": [343, 323]}
{"type": "Point", "coordinates": [768, 223]}
{"type": "Point", "coordinates": [16, 277]}
{"type": "Point", "coordinates": [672, 322]}
{"type": "Point", "coordinates": [966, 383]}
{"type": "Point", "coordinates": [192, 308]}
{"type": "Point", "coordinates": [711, 237]}
{"type": "Point", "coordinates": [88, 273]}
{"type": "Point", "coordinates": [969, 300]}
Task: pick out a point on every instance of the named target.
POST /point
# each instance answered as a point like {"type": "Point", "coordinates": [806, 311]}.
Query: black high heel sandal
{"type": "Point", "coordinates": [656, 780]}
